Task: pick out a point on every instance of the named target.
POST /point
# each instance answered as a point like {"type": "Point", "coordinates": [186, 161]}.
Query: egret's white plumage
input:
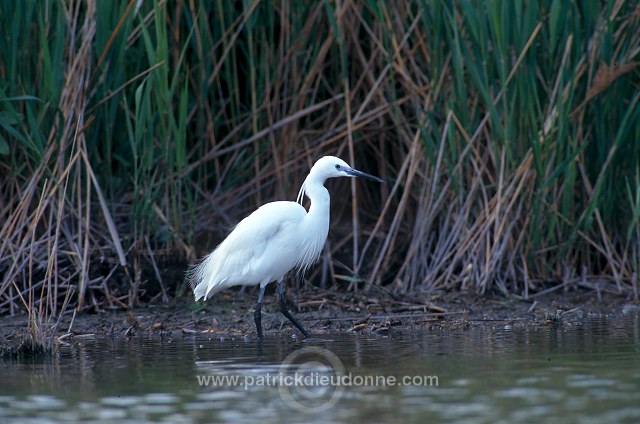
{"type": "Point", "coordinates": [276, 238]}
{"type": "Point", "coordinates": [259, 250]}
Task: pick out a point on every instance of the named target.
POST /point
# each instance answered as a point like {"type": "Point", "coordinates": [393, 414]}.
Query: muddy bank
{"type": "Point", "coordinates": [230, 314]}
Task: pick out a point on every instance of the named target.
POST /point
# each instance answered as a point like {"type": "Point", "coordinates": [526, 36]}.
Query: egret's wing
{"type": "Point", "coordinates": [235, 259]}
{"type": "Point", "coordinates": [256, 232]}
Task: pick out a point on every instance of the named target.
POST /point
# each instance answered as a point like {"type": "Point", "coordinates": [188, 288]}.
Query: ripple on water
{"type": "Point", "coordinates": [152, 409]}
{"type": "Point", "coordinates": [109, 413]}
{"type": "Point", "coordinates": [531, 394]}
{"type": "Point", "coordinates": [588, 381]}
{"type": "Point", "coordinates": [46, 402]}
{"type": "Point", "coordinates": [120, 400]}
{"type": "Point", "coordinates": [527, 413]}
{"type": "Point", "coordinates": [484, 376]}
{"type": "Point", "coordinates": [197, 406]}
{"type": "Point", "coordinates": [455, 412]}
{"type": "Point", "coordinates": [221, 395]}
{"type": "Point", "coordinates": [624, 414]}
{"type": "Point", "coordinates": [161, 398]}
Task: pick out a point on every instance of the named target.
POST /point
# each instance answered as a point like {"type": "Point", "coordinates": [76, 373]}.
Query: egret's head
{"type": "Point", "coordinates": [331, 167]}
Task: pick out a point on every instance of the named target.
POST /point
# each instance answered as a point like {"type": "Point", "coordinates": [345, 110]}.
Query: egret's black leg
{"type": "Point", "coordinates": [285, 311]}
{"type": "Point", "coordinates": [257, 314]}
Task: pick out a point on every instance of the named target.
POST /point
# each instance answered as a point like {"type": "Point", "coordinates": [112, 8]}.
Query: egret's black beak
{"type": "Point", "coordinates": [361, 174]}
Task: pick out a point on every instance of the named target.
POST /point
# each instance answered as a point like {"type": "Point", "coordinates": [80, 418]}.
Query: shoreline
{"type": "Point", "coordinates": [321, 312]}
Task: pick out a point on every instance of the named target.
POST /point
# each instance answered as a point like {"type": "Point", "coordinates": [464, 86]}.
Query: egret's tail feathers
{"type": "Point", "coordinates": [203, 278]}
{"type": "Point", "coordinates": [202, 291]}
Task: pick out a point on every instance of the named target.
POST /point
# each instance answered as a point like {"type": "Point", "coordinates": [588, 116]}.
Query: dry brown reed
{"type": "Point", "coordinates": [507, 136]}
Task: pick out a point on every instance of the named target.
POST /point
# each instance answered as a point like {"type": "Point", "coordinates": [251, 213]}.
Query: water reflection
{"type": "Point", "coordinates": [578, 372]}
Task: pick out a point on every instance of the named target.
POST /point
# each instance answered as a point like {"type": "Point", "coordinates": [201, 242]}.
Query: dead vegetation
{"type": "Point", "coordinates": [137, 133]}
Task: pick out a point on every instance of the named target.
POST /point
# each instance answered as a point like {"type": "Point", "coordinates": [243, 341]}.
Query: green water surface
{"type": "Point", "coordinates": [571, 372]}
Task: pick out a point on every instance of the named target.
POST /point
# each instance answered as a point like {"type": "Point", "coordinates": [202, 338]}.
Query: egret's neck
{"type": "Point", "coordinates": [316, 223]}
{"type": "Point", "coordinates": [319, 196]}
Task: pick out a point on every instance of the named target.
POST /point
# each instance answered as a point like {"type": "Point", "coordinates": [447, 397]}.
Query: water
{"type": "Point", "coordinates": [588, 372]}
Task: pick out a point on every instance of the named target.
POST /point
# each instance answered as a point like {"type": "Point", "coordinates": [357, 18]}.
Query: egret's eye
{"type": "Point", "coordinates": [337, 166]}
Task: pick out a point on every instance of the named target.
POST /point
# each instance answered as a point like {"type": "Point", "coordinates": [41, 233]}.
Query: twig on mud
{"type": "Point", "coordinates": [165, 298]}
{"type": "Point", "coordinates": [393, 316]}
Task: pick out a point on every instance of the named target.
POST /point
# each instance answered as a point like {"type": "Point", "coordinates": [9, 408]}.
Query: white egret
{"type": "Point", "coordinates": [274, 239]}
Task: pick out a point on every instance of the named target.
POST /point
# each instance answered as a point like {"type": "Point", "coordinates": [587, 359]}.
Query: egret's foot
{"type": "Point", "coordinates": [285, 311]}
{"type": "Point", "coordinates": [257, 314]}
{"type": "Point", "coordinates": [257, 317]}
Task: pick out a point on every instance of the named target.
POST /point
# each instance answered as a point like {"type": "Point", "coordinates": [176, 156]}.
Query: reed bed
{"type": "Point", "coordinates": [135, 134]}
